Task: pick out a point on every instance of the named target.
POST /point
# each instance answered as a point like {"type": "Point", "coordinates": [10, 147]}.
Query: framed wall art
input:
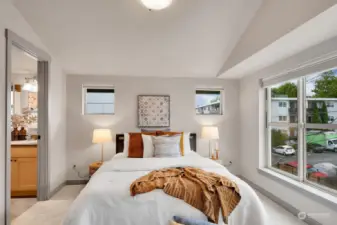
{"type": "Point", "coordinates": [153, 110]}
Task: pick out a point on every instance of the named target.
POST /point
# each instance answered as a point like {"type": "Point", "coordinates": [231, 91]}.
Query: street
{"type": "Point", "coordinates": [312, 158]}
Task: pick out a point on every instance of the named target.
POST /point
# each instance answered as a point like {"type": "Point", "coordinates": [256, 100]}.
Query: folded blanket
{"type": "Point", "coordinates": [203, 190]}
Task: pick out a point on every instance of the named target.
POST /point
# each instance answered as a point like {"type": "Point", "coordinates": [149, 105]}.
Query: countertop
{"type": "Point", "coordinates": [25, 142]}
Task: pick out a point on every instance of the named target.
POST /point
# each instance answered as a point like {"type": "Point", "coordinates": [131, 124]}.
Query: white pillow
{"type": "Point", "coordinates": [126, 144]}
{"type": "Point", "coordinates": [187, 145]}
{"type": "Point", "coordinates": [166, 147]}
{"type": "Point", "coordinates": [148, 147]}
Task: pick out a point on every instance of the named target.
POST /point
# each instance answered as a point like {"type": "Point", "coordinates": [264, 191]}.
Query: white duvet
{"type": "Point", "coordinates": [106, 199]}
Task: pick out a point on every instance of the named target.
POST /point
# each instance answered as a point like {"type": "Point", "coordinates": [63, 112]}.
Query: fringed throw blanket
{"type": "Point", "coordinates": [203, 190]}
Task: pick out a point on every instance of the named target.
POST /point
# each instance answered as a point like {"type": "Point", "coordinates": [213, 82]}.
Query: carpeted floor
{"type": "Point", "coordinates": [52, 212]}
{"type": "Point", "coordinates": [43, 213]}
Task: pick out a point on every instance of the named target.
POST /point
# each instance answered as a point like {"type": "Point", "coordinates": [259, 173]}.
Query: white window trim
{"type": "Point", "coordinates": [309, 187]}
{"type": "Point", "coordinates": [84, 100]}
{"type": "Point", "coordinates": [222, 100]}
{"type": "Point", "coordinates": [299, 181]}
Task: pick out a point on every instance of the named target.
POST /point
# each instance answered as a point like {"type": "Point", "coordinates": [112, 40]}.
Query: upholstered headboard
{"type": "Point", "coordinates": [120, 142]}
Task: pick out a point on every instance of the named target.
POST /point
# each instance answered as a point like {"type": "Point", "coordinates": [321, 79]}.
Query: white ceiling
{"type": "Point", "coordinates": [192, 38]}
{"type": "Point", "coordinates": [281, 29]}
{"type": "Point", "coordinates": [315, 31]}
{"type": "Point", "coordinates": [22, 63]}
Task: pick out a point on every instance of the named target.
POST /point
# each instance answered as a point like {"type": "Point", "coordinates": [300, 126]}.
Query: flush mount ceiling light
{"type": "Point", "coordinates": [156, 4]}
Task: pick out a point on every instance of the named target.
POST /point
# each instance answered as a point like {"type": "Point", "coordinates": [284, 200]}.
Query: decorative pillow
{"type": "Point", "coordinates": [166, 147]}
{"type": "Point", "coordinates": [187, 221]}
{"type": "Point", "coordinates": [181, 143]}
{"type": "Point", "coordinates": [136, 144]}
{"type": "Point", "coordinates": [147, 146]}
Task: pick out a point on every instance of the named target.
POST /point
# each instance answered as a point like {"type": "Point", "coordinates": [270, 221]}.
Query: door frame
{"type": "Point", "coordinates": [44, 61]}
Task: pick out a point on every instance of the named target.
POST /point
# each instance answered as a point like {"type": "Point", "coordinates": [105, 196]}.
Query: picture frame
{"type": "Point", "coordinates": [153, 111]}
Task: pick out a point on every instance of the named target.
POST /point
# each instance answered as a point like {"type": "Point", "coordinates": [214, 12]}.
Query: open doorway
{"type": "Point", "coordinates": [24, 136]}
{"type": "Point", "coordinates": [27, 125]}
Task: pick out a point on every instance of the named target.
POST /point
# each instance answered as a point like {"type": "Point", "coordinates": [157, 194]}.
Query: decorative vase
{"type": "Point", "coordinates": [15, 134]}
{"type": "Point", "coordinates": [22, 134]}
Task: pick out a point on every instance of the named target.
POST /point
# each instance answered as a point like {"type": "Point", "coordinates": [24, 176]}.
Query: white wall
{"type": "Point", "coordinates": [82, 152]}
{"type": "Point", "coordinates": [252, 131]}
{"type": "Point", "coordinates": [57, 126]}
{"type": "Point", "coordinates": [10, 18]}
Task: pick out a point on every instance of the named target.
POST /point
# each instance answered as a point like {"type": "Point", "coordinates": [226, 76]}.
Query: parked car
{"type": "Point", "coordinates": [284, 150]}
{"type": "Point", "coordinates": [316, 148]}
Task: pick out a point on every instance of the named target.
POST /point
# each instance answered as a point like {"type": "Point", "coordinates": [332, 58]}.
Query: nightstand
{"type": "Point", "coordinates": [93, 167]}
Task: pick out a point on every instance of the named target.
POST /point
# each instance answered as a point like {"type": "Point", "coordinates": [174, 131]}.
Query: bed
{"type": "Point", "coordinates": [106, 198]}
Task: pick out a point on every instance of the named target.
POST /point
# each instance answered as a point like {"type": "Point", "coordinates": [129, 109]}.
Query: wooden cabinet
{"type": "Point", "coordinates": [24, 171]}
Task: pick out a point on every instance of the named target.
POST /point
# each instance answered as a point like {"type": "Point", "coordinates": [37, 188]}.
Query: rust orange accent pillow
{"type": "Point", "coordinates": [161, 133]}
{"type": "Point", "coordinates": [136, 148]}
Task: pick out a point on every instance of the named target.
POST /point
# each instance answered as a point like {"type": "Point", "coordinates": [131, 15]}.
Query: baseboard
{"type": "Point", "coordinates": [57, 189]}
{"type": "Point", "coordinates": [280, 202]}
{"type": "Point", "coordinates": [76, 182]}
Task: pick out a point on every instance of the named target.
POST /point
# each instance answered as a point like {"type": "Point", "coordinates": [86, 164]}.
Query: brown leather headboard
{"type": "Point", "coordinates": [120, 142]}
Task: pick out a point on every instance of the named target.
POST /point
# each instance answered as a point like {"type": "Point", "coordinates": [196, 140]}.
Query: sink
{"type": "Point", "coordinates": [25, 142]}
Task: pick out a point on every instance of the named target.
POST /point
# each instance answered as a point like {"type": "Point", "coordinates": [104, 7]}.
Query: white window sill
{"type": "Point", "coordinates": [320, 195]}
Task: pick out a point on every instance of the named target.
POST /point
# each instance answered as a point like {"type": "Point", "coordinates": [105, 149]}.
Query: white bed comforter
{"type": "Point", "coordinates": [106, 199]}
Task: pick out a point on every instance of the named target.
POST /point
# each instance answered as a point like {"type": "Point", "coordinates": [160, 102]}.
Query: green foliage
{"type": "Point", "coordinates": [324, 113]}
{"type": "Point", "coordinates": [315, 116]}
{"type": "Point", "coordinates": [278, 137]}
{"type": "Point", "coordinates": [288, 89]}
{"type": "Point", "coordinates": [326, 86]}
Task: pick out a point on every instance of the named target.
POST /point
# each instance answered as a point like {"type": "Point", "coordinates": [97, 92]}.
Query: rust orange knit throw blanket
{"type": "Point", "coordinates": [203, 190]}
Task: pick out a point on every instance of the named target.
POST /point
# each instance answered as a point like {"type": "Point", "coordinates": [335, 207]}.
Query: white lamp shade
{"type": "Point", "coordinates": [101, 136]}
{"type": "Point", "coordinates": [211, 133]}
{"type": "Point", "coordinates": [156, 4]}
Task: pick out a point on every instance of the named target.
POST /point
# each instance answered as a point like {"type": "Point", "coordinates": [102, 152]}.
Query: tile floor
{"type": "Point", "coordinates": [51, 212]}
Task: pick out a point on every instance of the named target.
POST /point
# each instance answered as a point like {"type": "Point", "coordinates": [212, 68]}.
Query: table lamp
{"type": "Point", "coordinates": [101, 136]}
{"type": "Point", "coordinates": [210, 133]}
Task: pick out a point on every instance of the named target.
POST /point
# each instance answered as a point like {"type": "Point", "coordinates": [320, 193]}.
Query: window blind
{"type": "Point", "coordinates": [315, 66]}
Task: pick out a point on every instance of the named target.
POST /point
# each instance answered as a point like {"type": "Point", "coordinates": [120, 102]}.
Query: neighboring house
{"type": "Point", "coordinates": [285, 109]}
{"type": "Point", "coordinates": [211, 108]}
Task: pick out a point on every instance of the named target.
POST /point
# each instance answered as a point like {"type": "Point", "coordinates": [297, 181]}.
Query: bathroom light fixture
{"type": "Point", "coordinates": [30, 85]}
{"type": "Point", "coordinates": [156, 4]}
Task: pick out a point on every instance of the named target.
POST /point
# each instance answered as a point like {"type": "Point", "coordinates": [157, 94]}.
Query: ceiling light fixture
{"type": "Point", "coordinates": [156, 4]}
{"type": "Point", "coordinates": [30, 85]}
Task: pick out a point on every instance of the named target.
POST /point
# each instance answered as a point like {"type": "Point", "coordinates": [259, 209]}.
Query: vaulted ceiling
{"type": "Point", "coordinates": [191, 38]}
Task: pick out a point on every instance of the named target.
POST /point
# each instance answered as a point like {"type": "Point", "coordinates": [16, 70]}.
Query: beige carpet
{"type": "Point", "coordinates": [44, 213]}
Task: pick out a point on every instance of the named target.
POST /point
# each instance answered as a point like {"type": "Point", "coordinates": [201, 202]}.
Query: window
{"type": "Point", "coordinates": [306, 147]}
{"type": "Point", "coordinates": [282, 118]}
{"type": "Point", "coordinates": [99, 101]}
{"type": "Point", "coordinates": [282, 104]}
{"type": "Point", "coordinates": [331, 119]}
{"type": "Point", "coordinates": [330, 104]}
{"type": "Point", "coordinates": [208, 102]}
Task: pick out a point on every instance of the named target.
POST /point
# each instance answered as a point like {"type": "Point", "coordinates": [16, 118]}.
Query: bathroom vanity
{"type": "Point", "coordinates": [24, 168]}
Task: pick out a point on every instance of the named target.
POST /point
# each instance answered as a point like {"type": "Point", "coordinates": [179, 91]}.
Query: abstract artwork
{"type": "Point", "coordinates": [153, 111]}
